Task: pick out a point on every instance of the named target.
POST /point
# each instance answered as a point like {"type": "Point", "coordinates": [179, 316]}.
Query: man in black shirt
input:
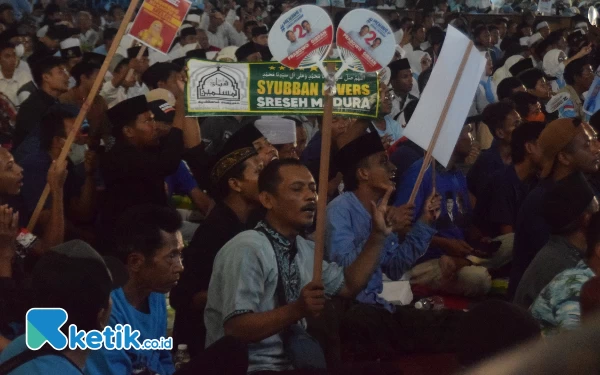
{"type": "Point", "coordinates": [52, 80]}
{"type": "Point", "coordinates": [135, 168]}
{"type": "Point", "coordinates": [235, 181]}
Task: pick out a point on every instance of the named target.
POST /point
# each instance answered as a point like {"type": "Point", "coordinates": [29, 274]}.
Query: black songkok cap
{"type": "Point", "coordinates": [126, 112]}
{"type": "Point", "coordinates": [362, 147]}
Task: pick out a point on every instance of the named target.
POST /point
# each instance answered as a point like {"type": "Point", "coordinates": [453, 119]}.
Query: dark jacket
{"type": "Point", "coordinates": [135, 177]}
{"type": "Point", "coordinates": [220, 226]}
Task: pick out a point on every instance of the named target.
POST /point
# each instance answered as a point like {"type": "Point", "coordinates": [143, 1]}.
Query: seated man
{"type": "Point", "coordinates": [558, 304]}
{"type": "Point", "coordinates": [63, 278]}
{"type": "Point", "coordinates": [502, 119]}
{"type": "Point", "coordinates": [79, 192]}
{"type": "Point", "coordinates": [19, 250]}
{"type": "Point", "coordinates": [244, 299]}
{"type": "Point", "coordinates": [567, 208]}
{"type": "Point", "coordinates": [444, 266]}
{"type": "Point", "coordinates": [368, 175]}
{"type": "Point", "coordinates": [499, 202]}
{"type": "Point", "coordinates": [150, 244]}
{"type": "Point", "coordinates": [235, 180]}
{"type": "Point", "coordinates": [281, 133]}
{"type": "Point", "coordinates": [568, 146]}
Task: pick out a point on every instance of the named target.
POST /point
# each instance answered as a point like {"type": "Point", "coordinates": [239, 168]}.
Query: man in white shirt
{"type": "Point", "coordinates": [359, 37]}
{"type": "Point", "coordinates": [187, 36]}
{"type": "Point", "coordinates": [294, 43]}
{"type": "Point", "coordinates": [119, 87]}
{"type": "Point", "coordinates": [220, 33]}
{"type": "Point", "coordinates": [88, 37]}
{"type": "Point", "coordinates": [11, 79]}
{"type": "Point", "coordinates": [310, 33]}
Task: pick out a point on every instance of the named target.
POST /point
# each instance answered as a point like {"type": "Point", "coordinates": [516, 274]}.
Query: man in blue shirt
{"type": "Point", "coordinates": [444, 266]}
{"type": "Point", "coordinates": [502, 119]}
{"type": "Point", "coordinates": [149, 243]}
{"type": "Point", "coordinates": [368, 174]}
{"type": "Point", "coordinates": [74, 277]}
{"type": "Point", "coordinates": [568, 146]}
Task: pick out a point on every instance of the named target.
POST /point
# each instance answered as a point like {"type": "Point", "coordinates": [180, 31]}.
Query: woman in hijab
{"type": "Point", "coordinates": [486, 92]}
{"type": "Point", "coordinates": [555, 62]}
{"type": "Point", "coordinates": [554, 66]}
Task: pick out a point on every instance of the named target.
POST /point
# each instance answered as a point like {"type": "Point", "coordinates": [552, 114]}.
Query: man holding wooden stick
{"type": "Point", "coordinates": [244, 299]}
{"type": "Point", "coordinates": [444, 266]}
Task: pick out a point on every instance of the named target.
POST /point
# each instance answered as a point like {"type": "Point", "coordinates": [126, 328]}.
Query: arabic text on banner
{"type": "Point", "coordinates": [269, 88]}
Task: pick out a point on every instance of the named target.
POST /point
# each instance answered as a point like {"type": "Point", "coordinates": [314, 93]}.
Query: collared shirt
{"type": "Point", "coordinates": [488, 162]}
{"type": "Point", "coordinates": [115, 95]}
{"type": "Point", "coordinates": [220, 226]}
{"type": "Point", "coordinates": [558, 305]}
{"type": "Point", "coordinates": [500, 200]}
{"type": "Point", "coordinates": [531, 233]}
{"type": "Point", "coordinates": [10, 86]}
{"type": "Point", "coordinates": [30, 114]}
{"type": "Point", "coordinates": [456, 212]}
{"type": "Point", "coordinates": [244, 280]}
{"type": "Point", "coordinates": [398, 106]}
{"type": "Point", "coordinates": [348, 229]}
{"type": "Point", "coordinates": [556, 256]}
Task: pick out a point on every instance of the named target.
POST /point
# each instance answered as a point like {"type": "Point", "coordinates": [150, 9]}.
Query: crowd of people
{"type": "Point", "coordinates": [214, 217]}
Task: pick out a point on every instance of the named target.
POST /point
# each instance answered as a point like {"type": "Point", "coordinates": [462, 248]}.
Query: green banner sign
{"type": "Point", "coordinates": [269, 88]}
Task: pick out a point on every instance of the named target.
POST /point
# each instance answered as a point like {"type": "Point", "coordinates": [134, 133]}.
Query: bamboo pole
{"type": "Point", "coordinates": [85, 107]}
{"type": "Point", "coordinates": [438, 128]}
{"type": "Point", "coordinates": [323, 181]}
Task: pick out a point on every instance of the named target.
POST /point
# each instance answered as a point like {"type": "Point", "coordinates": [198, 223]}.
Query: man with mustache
{"type": "Point", "coordinates": [244, 299]}
{"type": "Point", "coordinates": [368, 175]}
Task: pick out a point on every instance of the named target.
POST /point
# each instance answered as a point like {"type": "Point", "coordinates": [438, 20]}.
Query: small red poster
{"type": "Point", "coordinates": [158, 21]}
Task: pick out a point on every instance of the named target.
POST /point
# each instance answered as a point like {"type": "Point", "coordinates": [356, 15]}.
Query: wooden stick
{"type": "Point", "coordinates": [438, 128]}
{"type": "Point", "coordinates": [85, 107]}
{"type": "Point", "coordinates": [139, 55]}
{"type": "Point", "coordinates": [323, 182]}
{"type": "Point", "coordinates": [433, 173]}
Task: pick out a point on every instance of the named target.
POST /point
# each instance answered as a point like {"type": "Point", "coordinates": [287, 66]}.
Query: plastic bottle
{"type": "Point", "coordinates": [430, 303]}
{"type": "Point", "coordinates": [181, 356]}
